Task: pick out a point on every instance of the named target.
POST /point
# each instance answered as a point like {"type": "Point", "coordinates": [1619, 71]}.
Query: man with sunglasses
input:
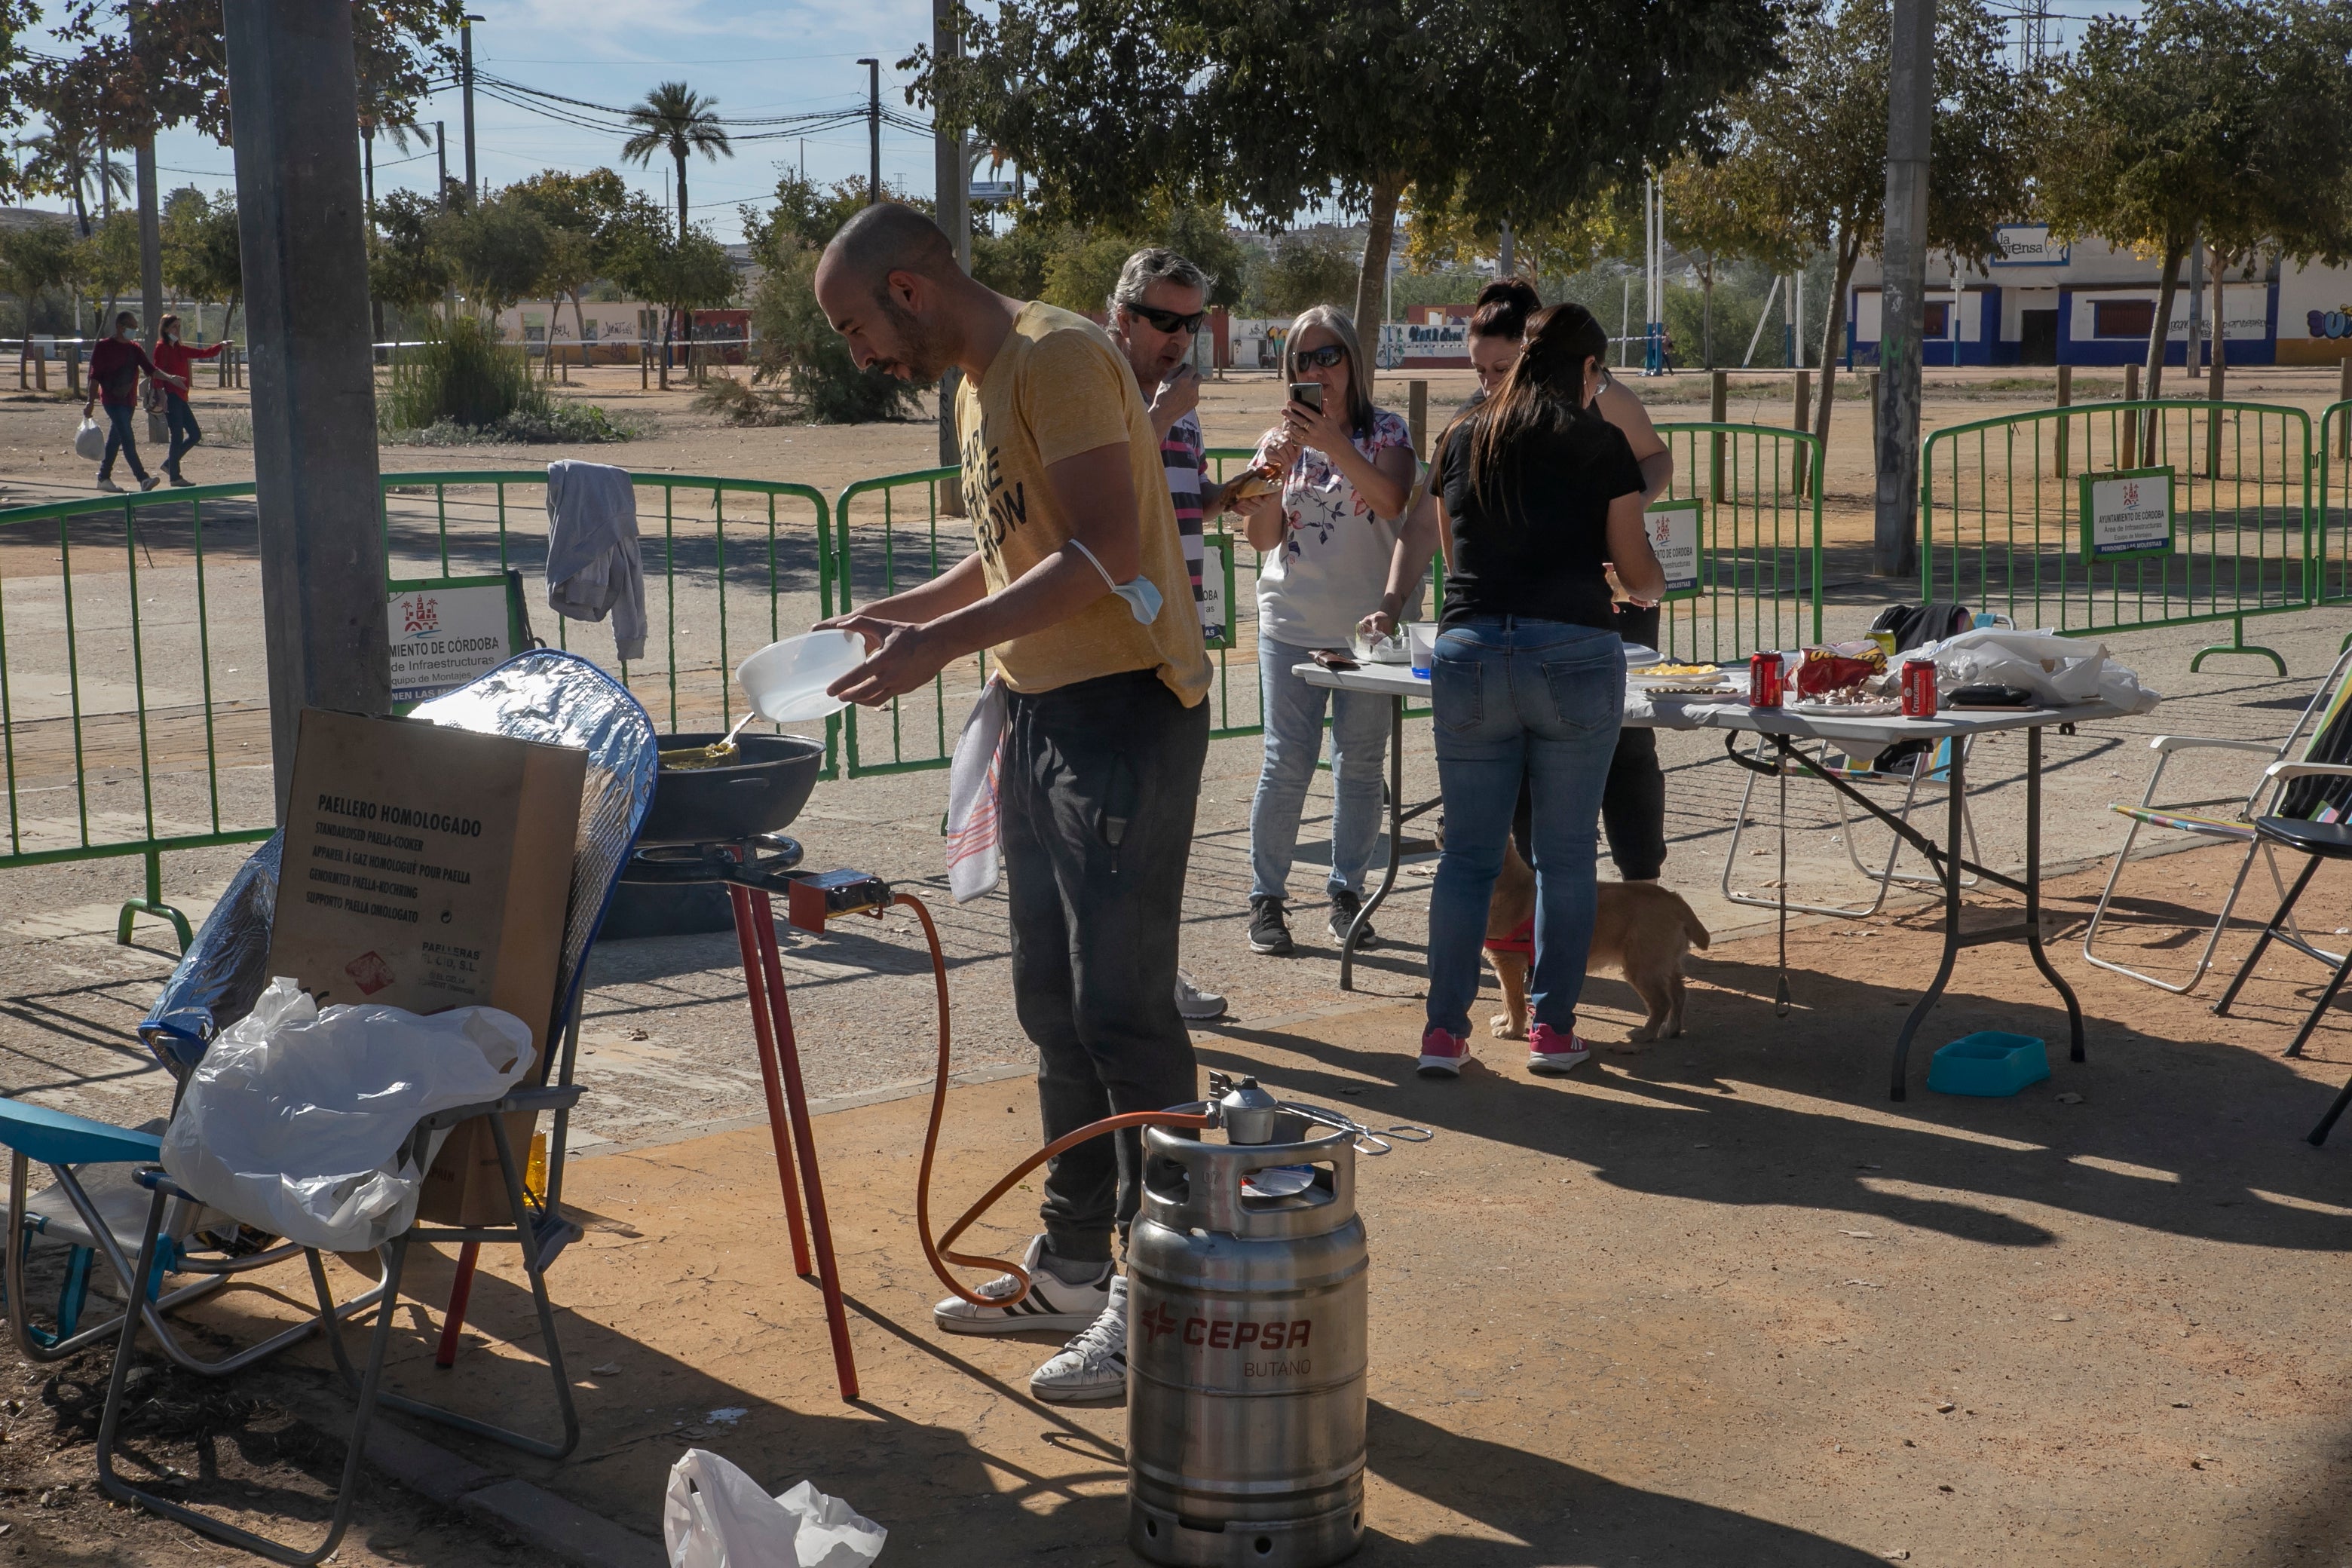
{"type": "Point", "coordinates": [1156, 312]}
{"type": "Point", "coordinates": [1076, 590]}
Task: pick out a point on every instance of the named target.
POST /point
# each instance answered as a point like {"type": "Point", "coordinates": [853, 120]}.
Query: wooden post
{"type": "Point", "coordinates": [40, 370]}
{"type": "Point", "coordinates": [2128, 456]}
{"type": "Point", "coordinates": [1416, 403]}
{"type": "Point", "coordinates": [1718, 404]}
{"type": "Point", "coordinates": [1803, 421]}
{"type": "Point", "coordinates": [2065, 421]}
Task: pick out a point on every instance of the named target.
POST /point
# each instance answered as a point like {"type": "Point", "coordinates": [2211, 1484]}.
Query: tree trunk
{"type": "Point", "coordinates": [580, 325]}
{"type": "Point", "coordinates": [2168, 290]}
{"type": "Point", "coordinates": [681, 193]}
{"type": "Point", "coordinates": [1849, 250]}
{"type": "Point", "coordinates": [1707, 311]}
{"type": "Point", "coordinates": [1372, 281]}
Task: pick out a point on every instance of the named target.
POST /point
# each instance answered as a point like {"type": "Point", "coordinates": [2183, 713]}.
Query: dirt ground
{"type": "Point", "coordinates": [1712, 1300]}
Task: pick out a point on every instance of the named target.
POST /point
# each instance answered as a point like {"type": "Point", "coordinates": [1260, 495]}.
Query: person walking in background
{"type": "Point", "coordinates": [115, 366]}
{"type": "Point", "coordinates": [1074, 588]}
{"type": "Point", "coordinates": [1527, 678]}
{"type": "Point", "coordinates": [1156, 310]}
{"type": "Point", "coordinates": [176, 359]}
{"type": "Point", "coordinates": [1347, 470]}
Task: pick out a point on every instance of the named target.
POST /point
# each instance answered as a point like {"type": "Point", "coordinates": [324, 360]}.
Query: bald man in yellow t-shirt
{"type": "Point", "coordinates": [1079, 591]}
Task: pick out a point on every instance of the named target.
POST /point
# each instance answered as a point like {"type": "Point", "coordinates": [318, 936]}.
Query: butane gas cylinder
{"type": "Point", "coordinates": [1247, 1345]}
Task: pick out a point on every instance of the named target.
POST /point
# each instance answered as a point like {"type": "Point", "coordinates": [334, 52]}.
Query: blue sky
{"type": "Point", "coordinates": [755, 58]}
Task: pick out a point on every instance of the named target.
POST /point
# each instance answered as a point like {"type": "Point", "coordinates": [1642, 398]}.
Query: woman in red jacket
{"type": "Point", "coordinates": [174, 357]}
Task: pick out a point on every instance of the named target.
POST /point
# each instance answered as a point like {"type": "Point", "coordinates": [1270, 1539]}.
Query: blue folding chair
{"type": "Point", "coordinates": [546, 696]}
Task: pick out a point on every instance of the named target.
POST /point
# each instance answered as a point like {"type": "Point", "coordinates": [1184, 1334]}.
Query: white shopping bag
{"type": "Point", "coordinates": [715, 1515]}
{"type": "Point", "coordinates": [976, 833]}
{"type": "Point", "coordinates": [90, 440]}
{"type": "Point", "coordinates": [294, 1121]}
{"type": "Point", "coordinates": [2058, 670]}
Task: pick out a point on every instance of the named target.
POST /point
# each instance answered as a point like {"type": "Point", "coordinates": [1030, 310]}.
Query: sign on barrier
{"type": "Point", "coordinates": [1675, 529]}
{"type": "Point", "coordinates": [1217, 591]}
{"type": "Point", "coordinates": [2128, 515]}
{"type": "Point", "coordinates": [446, 631]}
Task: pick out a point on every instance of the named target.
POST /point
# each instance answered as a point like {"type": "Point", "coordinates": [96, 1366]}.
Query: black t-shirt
{"type": "Point", "coordinates": [1534, 544]}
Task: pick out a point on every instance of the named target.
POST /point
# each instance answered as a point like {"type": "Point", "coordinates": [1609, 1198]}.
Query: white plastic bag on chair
{"type": "Point", "coordinates": [2060, 671]}
{"type": "Point", "coordinates": [295, 1118]}
{"type": "Point", "coordinates": [715, 1515]}
{"type": "Point", "coordinates": [89, 441]}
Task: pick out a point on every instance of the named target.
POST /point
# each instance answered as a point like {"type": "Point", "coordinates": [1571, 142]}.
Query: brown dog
{"type": "Point", "coordinates": [1641, 930]}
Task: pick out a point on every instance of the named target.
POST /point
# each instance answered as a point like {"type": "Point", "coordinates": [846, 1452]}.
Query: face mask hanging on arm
{"type": "Point", "coordinates": [1142, 598]}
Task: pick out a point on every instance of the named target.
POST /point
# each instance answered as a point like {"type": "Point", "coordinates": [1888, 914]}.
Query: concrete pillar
{"type": "Point", "coordinates": [293, 101]}
{"type": "Point", "coordinates": [952, 177]}
{"type": "Point", "coordinates": [1910, 120]}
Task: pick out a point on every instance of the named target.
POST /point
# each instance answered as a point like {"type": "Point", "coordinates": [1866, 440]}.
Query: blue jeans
{"type": "Point", "coordinates": [184, 431]}
{"type": "Point", "coordinates": [1293, 739]}
{"type": "Point", "coordinates": [1514, 698]}
{"type": "Point", "coordinates": [118, 439]}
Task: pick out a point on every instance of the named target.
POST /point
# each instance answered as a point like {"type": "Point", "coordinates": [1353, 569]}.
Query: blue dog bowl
{"type": "Point", "coordinates": [1988, 1063]}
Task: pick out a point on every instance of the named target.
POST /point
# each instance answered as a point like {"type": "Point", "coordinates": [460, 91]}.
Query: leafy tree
{"type": "Point", "coordinates": [1807, 147]}
{"type": "Point", "coordinates": [34, 258]}
{"type": "Point", "coordinates": [67, 161]}
{"type": "Point", "coordinates": [2202, 114]}
{"type": "Point", "coordinates": [1274, 105]}
{"type": "Point", "coordinates": [405, 268]}
{"type": "Point", "coordinates": [1308, 270]}
{"type": "Point", "coordinates": [111, 267]}
{"type": "Point", "coordinates": [684, 273]}
{"type": "Point", "coordinates": [176, 71]}
{"type": "Point", "coordinates": [496, 250]}
{"type": "Point", "coordinates": [15, 16]}
{"type": "Point", "coordinates": [201, 258]}
{"type": "Point", "coordinates": [1442, 233]}
{"type": "Point", "coordinates": [1716, 213]}
{"type": "Point", "coordinates": [798, 346]}
{"type": "Point", "coordinates": [676, 119]}
{"type": "Point", "coordinates": [579, 211]}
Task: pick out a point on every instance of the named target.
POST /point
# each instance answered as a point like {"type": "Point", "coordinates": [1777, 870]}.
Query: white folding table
{"type": "Point", "coordinates": [1787, 729]}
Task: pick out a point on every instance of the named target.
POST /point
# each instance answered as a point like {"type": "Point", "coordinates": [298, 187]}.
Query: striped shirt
{"type": "Point", "coordinates": [1183, 454]}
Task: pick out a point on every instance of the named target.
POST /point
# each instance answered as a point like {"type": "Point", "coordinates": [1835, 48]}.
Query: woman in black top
{"type": "Point", "coordinates": [1537, 491]}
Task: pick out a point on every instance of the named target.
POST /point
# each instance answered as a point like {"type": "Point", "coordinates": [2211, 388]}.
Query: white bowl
{"type": "Point", "coordinates": [786, 681]}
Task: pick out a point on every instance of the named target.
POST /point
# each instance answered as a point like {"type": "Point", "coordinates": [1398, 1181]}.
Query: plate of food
{"type": "Point", "coordinates": [1654, 692]}
{"type": "Point", "coordinates": [1257, 480]}
{"type": "Point", "coordinates": [1658, 675]}
{"type": "Point", "coordinates": [1864, 708]}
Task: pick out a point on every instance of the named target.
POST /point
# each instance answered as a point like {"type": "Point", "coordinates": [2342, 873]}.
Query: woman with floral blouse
{"type": "Point", "coordinates": [1347, 470]}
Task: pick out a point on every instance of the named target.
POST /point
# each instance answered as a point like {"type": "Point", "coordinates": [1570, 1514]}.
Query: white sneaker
{"type": "Point", "coordinates": [1094, 1366]}
{"type": "Point", "coordinates": [1193, 1003]}
{"type": "Point", "coordinates": [1052, 1303]}
{"type": "Point", "coordinates": [109, 486]}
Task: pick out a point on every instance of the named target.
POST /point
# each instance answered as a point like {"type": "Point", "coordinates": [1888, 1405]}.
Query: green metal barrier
{"type": "Point", "coordinates": [2000, 521]}
{"type": "Point", "coordinates": [1760, 585]}
{"type": "Point", "coordinates": [2331, 510]}
{"type": "Point", "coordinates": [132, 656]}
{"type": "Point", "coordinates": [895, 542]}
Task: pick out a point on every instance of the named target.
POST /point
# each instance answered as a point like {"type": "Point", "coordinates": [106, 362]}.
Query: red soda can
{"type": "Point", "coordinates": [1763, 680]}
{"type": "Point", "coordinates": [1919, 689]}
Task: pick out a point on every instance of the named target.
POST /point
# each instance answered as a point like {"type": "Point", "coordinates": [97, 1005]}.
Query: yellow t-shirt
{"type": "Point", "coordinates": [1058, 388]}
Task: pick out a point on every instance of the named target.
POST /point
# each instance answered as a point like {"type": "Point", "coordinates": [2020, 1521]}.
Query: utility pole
{"type": "Point", "coordinates": [952, 174]}
{"type": "Point", "coordinates": [151, 262]}
{"type": "Point", "coordinates": [441, 140]}
{"type": "Point", "coordinates": [873, 126]}
{"type": "Point", "coordinates": [465, 76]}
{"type": "Point", "coordinates": [293, 99]}
{"type": "Point", "coordinates": [1910, 120]}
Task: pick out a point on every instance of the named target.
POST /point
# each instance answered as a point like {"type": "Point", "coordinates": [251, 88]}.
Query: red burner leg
{"type": "Point", "coordinates": [779, 1124]}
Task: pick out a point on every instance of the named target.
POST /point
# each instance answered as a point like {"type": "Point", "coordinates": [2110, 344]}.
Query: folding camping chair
{"type": "Point", "coordinates": [1932, 766]}
{"type": "Point", "coordinates": [2321, 736]}
{"type": "Point", "coordinates": [546, 696]}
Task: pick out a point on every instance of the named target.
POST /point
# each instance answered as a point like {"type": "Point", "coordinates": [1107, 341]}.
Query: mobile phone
{"type": "Point", "coordinates": [1310, 392]}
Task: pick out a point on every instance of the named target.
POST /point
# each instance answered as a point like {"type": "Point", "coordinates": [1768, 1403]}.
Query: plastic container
{"type": "Point", "coordinates": [1988, 1063]}
{"type": "Point", "coordinates": [786, 681]}
{"type": "Point", "coordinates": [1421, 636]}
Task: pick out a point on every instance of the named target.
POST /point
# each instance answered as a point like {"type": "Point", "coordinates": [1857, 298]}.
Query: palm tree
{"type": "Point", "coordinates": [676, 119]}
{"type": "Point", "coordinates": [69, 161]}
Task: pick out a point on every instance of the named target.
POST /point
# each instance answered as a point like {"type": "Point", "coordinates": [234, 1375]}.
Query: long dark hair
{"type": "Point", "coordinates": [1542, 394]}
{"type": "Point", "coordinates": [1503, 310]}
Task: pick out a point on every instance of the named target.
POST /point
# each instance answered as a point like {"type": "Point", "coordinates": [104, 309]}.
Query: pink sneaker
{"type": "Point", "coordinates": [1550, 1052]}
{"type": "Point", "coordinates": [1442, 1054]}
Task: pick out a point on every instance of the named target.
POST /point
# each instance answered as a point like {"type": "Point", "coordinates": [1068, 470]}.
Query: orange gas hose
{"type": "Point", "coordinates": [938, 1253]}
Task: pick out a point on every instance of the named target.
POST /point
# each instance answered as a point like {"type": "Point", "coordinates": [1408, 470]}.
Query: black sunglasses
{"type": "Point", "coordinates": [1168, 320]}
{"type": "Point", "coordinates": [1327, 356]}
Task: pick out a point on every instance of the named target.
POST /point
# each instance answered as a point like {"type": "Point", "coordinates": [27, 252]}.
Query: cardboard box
{"type": "Point", "coordinates": [430, 868]}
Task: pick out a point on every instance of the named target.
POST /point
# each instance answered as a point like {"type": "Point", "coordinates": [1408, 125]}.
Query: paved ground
{"type": "Point", "coordinates": [1713, 1302]}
